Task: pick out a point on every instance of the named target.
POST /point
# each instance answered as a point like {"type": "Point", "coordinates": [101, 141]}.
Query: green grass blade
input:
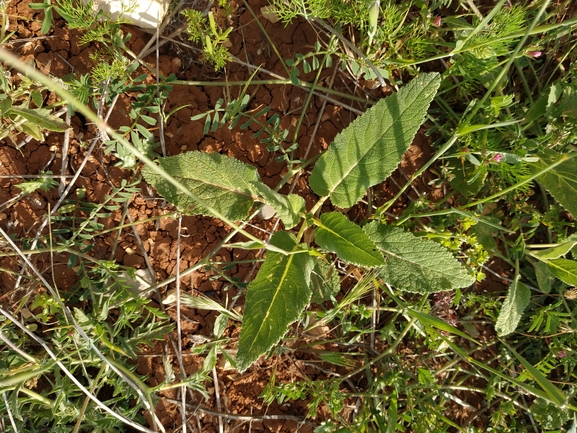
{"type": "Point", "coordinates": [555, 394]}
{"type": "Point", "coordinates": [530, 389]}
{"type": "Point", "coordinates": [441, 325]}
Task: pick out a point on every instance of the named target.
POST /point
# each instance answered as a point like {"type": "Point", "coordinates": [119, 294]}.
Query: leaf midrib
{"type": "Point", "coordinates": [417, 264]}
{"type": "Point", "coordinates": [390, 126]}
{"type": "Point", "coordinates": [218, 186]}
{"type": "Point", "coordinates": [337, 235]}
{"type": "Point", "coordinates": [276, 292]}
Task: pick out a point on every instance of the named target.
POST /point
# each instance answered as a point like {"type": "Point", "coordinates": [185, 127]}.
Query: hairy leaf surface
{"type": "Point", "coordinates": [343, 237]}
{"type": "Point", "coordinates": [565, 270]}
{"type": "Point", "coordinates": [414, 264]}
{"type": "Point", "coordinates": [561, 181]}
{"type": "Point", "coordinates": [511, 312]}
{"type": "Point", "coordinates": [544, 276]}
{"type": "Point", "coordinates": [371, 147]}
{"type": "Point", "coordinates": [220, 181]}
{"type": "Point", "coordinates": [274, 299]}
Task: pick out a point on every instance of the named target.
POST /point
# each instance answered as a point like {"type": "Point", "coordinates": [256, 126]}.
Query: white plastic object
{"type": "Point", "coordinates": [146, 14]}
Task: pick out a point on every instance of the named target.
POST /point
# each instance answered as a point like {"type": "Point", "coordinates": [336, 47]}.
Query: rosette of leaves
{"type": "Point", "coordinates": [362, 155]}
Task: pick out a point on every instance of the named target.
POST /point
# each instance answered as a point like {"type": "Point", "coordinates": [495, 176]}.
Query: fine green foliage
{"type": "Point", "coordinates": [337, 234]}
{"type": "Point", "coordinates": [416, 264]}
{"type": "Point", "coordinates": [518, 297]}
{"type": "Point", "coordinates": [204, 30]}
{"type": "Point", "coordinates": [371, 147]}
{"type": "Point", "coordinates": [275, 299]}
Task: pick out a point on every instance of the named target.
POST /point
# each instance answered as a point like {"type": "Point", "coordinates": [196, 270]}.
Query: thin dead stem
{"type": "Point", "coordinates": [52, 355]}
{"type": "Point", "coordinates": [70, 318]}
{"type": "Point", "coordinates": [217, 400]}
{"type": "Point", "coordinates": [178, 328]}
{"type": "Point", "coordinates": [243, 417]}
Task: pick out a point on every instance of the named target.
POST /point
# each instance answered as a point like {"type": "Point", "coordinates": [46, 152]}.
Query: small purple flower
{"type": "Point", "coordinates": [497, 158]}
{"type": "Point", "coordinates": [535, 54]}
{"type": "Point", "coordinates": [437, 22]}
{"type": "Point", "coordinates": [561, 354]}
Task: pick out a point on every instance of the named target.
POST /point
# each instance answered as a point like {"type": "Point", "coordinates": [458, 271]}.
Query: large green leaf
{"type": "Point", "coordinates": [557, 251]}
{"type": "Point", "coordinates": [565, 270]}
{"type": "Point", "coordinates": [561, 181]}
{"type": "Point", "coordinates": [544, 276]}
{"type": "Point", "coordinates": [371, 147]}
{"type": "Point", "coordinates": [414, 264]}
{"type": "Point", "coordinates": [517, 299]}
{"type": "Point", "coordinates": [343, 237]}
{"type": "Point", "coordinates": [274, 299]}
{"type": "Point", "coordinates": [222, 182]}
